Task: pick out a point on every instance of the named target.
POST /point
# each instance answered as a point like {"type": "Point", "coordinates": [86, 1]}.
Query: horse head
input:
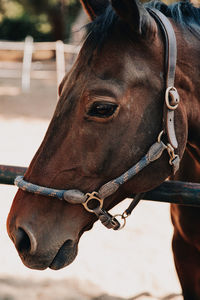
{"type": "Point", "coordinates": [109, 113]}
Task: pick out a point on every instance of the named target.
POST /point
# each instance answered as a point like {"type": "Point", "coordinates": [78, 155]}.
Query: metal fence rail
{"type": "Point", "coordinates": [169, 191]}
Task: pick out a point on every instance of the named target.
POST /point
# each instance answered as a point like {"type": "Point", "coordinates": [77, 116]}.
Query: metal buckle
{"type": "Point", "coordinates": [92, 196]}
{"type": "Point", "coordinates": [171, 98]}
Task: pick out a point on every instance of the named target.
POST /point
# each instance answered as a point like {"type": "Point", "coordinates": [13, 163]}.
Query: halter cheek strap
{"type": "Point", "coordinates": [93, 202]}
{"type": "Point", "coordinates": [171, 94]}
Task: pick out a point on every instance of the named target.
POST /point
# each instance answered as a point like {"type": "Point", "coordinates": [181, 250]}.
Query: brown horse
{"type": "Point", "coordinates": [109, 113]}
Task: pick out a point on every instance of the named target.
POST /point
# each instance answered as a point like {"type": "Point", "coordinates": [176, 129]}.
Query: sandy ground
{"type": "Point", "coordinates": [135, 263]}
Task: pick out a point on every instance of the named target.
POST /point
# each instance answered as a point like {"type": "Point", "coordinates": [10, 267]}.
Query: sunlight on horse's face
{"type": "Point", "coordinates": [108, 115]}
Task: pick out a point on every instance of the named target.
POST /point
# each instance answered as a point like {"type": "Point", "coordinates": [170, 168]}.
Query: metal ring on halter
{"type": "Point", "coordinates": [125, 215]}
{"type": "Point", "coordinates": [90, 197]}
{"type": "Point", "coordinates": [159, 136]}
{"type": "Point", "coordinates": [172, 91]}
{"type": "Point", "coordinates": [123, 218]}
{"type": "Point", "coordinates": [171, 153]}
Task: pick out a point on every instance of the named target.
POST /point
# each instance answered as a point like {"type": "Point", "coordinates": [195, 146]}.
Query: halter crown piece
{"type": "Point", "coordinates": [93, 202]}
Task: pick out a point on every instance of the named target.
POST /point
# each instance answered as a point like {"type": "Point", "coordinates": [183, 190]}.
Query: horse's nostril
{"type": "Point", "coordinates": [25, 241]}
{"type": "Point", "coordinates": [22, 241]}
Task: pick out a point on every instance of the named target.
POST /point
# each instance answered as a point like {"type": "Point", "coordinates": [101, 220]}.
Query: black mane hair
{"type": "Point", "coordinates": [101, 27]}
{"type": "Point", "coordinates": [183, 13]}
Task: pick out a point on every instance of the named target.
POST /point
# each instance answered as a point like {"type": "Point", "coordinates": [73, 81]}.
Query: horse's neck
{"type": "Point", "coordinates": [188, 82]}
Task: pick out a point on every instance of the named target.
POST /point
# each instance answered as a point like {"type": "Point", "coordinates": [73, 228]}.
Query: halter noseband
{"type": "Point", "coordinates": [93, 202]}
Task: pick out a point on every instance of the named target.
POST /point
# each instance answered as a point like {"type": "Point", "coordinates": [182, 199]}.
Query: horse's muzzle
{"type": "Point", "coordinates": [65, 255]}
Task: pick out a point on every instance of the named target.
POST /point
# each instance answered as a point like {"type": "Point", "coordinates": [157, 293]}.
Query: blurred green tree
{"type": "Point", "coordinates": [60, 14]}
{"type": "Point", "coordinates": [43, 19]}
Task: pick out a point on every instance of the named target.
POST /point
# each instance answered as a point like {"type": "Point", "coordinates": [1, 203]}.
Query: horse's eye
{"type": "Point", "coordinates": [102, 110]}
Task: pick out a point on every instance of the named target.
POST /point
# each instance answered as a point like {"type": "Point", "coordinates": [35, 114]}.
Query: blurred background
{"type": "Point", "coordinates": [39, 41]}
{"type": "Point", "coordinates": [44, 20]}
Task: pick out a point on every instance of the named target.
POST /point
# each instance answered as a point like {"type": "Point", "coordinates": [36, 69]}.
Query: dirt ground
{"type": "Point", "coordinates": [135, 263]}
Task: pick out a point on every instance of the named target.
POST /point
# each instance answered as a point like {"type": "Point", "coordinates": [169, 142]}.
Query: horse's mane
{"type": "Point", "coordinates": [183, 13]}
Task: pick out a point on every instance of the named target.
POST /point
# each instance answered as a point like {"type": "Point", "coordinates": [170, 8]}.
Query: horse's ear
{"type": "Point", "coordinates": [94, 8]}
{"type": "Point", "coordinates": [134, 13]}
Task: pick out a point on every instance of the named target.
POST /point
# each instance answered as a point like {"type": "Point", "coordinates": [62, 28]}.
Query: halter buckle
{"type": "Point", "coordinates": [172, 98]}
{"type": "Point", "coordinates": [92, 202]}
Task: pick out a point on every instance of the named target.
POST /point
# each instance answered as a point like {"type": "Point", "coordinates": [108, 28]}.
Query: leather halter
{"type": "Point", "coordinates": [93, 202]}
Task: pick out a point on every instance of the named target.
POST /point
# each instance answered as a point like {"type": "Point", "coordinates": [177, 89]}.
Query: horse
{"type": "Point", "coordinates": [130, 102]}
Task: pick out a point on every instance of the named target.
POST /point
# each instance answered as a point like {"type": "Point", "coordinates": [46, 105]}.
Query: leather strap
{"type": "Point", "coordinates": [170, 47]}
{"type": "Point", "coordinates": [171, 95]}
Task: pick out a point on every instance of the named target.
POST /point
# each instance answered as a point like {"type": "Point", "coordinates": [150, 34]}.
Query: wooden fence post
{"type": "Point", "coordinates": [60, 62]}
{"type": "Point", "coordinates": [26, 67]}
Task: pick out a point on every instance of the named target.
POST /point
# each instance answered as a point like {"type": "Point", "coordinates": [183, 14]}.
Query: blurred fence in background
{"type": "Point", "coordinates": [34, 60]}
